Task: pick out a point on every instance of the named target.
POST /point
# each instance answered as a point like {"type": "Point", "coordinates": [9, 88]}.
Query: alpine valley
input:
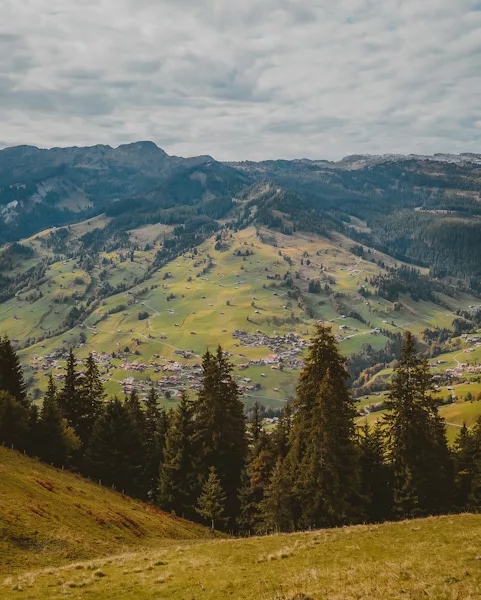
{"type": "Point", "coordinates": [146, 259]}
{"type": "Point", "coordinates": [239, 379]}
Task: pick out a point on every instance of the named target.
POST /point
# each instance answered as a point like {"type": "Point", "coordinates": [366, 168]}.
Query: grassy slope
{"type": "Point", "coordinates": [437, 558]}
{"type": "Point", "coordinates": [201, 306]}
{"type": "Point", "coordinates": [49, 517]}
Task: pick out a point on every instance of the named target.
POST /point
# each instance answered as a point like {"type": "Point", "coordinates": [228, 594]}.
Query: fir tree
{"type": "Point", "coordinates": [178, 473]}
{"type": "Point", "coordinates": [220, 434]}
{"type": "Point", "coordinates": [375, 473]}
{"type": "Point", "coordinates": [322, 458]}
{"type": "Point", "coordinates": [256, 480]}
{"type": "Point", "coordinates": [56, 439]}
{"type": "Point", "coordinates": [417, 439]}
{"type": "Point", "coordinates": [212, 501]}
{"type": "Point", "coordinates": [115, 453]}
{"type": "Point", "coordinates": [91, 396]}
{"type": "Point", "coordinates": [132, 403]}
{"type": "Point", "coordinates": [155, 428]}
{"type": "Point", "coordinates": [277, 506]}
{"type": "Point", "coordinates": [11, 376]}
{"type": "Point", "coordinates": [467, 449]}
{"type": "Point", "coordinates": [257, 473]}
{"type": "Point", "coordinates": [255, 423]}
{"type": "Point", "coordinates": [69, 398]}
{"type": "Point", "coordinates": [282, 433]}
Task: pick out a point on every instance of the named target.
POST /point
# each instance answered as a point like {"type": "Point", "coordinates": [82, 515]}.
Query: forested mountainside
{"type": "Point", "coordinates": [168, 256]}
{"type": "Point", "coordinates": [425, 210]}
{"type": "Point", "coordinates": [43, 188]}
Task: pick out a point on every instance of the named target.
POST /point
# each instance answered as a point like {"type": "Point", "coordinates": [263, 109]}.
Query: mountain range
{"type": "Point", "coordinates": [247, 254]}
{"type": "Point", "coordinates": [424, 208]}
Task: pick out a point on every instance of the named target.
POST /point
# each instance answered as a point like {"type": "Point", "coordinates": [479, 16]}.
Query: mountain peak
{"type": "Point", "coordinates": [144, 147]}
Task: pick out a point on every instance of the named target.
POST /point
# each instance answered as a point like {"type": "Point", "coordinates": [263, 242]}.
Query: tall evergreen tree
{"type": "Point", "coordinates": [375, 473]}
{"type": "Point", "coordinates": [11, 375]}
{"type": "Point", "coordinates": [212, 501]}
{"type": "Point", "coordinates": [178, 483]}
{"type": "Point", "coordinates": [418, 449]}
{"type": "Point", "coordinates": [155, 429]}
{"type": "Point", "coordinates": [69, 398]}
{"type": "Point", "coordinates": [256, 480]}
{"type": "Point", "coordinates": [277, 510]}
{"type": "Point", "coordinates": [256, 429]}
{"type": "Point", "coordinates": [115, 453]}
{"type": "Point", "coordinates": [133, 404]}
{"type": "Point", "coordinates": [322, 458]}
{"type": "Point", "coordinates": [91, 396]}
{"type": "Point", "coordinates": [468, 468]}
{"type": "Point", "coordinates": [282, 433]}
{"type": "Point", "coordinates": [56, 439]}
{"type": "Point", "coordinates": [220, 434]}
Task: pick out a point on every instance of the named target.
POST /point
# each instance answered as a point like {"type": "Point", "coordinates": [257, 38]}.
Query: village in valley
{"type": "Point", "coordinates": [256, 293]}
{"type": "Point", "coordinates": [171, 377]}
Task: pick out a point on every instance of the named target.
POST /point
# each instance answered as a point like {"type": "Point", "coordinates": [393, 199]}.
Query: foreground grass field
{"type": "Point", "coordinates": [63, 537]}
{"type": "Point", "coordinates": [49, 518]}
{"type": "Point", "coordinates": [437, 558]}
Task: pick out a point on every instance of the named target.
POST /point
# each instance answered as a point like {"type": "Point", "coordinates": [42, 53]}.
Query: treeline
{"type": "Point", "coordinates": [205, 461]}
{"type": "Point", "coordinates": [448, 243]}
{"type": "Point", "coordinates": [405, 280]}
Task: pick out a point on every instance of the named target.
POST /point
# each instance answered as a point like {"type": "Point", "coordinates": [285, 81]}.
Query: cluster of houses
{"type": "Point", "coordinates": [286, 349]}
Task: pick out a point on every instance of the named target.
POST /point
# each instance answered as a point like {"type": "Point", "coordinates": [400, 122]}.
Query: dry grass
{"type": "Point", "coordinates": [436, 558]}
{"type": "Point", "coordinates": [49, 517]}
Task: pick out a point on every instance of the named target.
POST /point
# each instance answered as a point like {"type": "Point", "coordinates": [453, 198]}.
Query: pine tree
{"type": "Point", "coordinates": [178, 471]}
{"type": "Point", "coordinates": [69, 398]}
{"type": "Point", "coordinates": [212, 501]}
{"type": "Point", "coordinates": [31, 443]}
{"type": "Point", "coordinates": [132, 403]}
{"type": "Point", "coordinates": [255, 423]}
{"type": "Point", "coordinates": [322, 458]}
{"type": "Point", "coordinates": [375, 473]}
{"type": "Point", "coordinates": [468, 468]}
{"type": "Point", "coordinates": [11, 376]}
{"type": "Point", "coordinates": [277, 506]}
{"type": "Point", "coordinates": [282, 433]}
{"type": "Point", "coordinates": [220, 434]}
{"type": "Point", "coordinates": [417, 442]}
{"type": "Point", "coordinates": [14, 422]}
{"type": "Point", "coordinates": [56, 439]}
{"type": "Point", "coordinates": [155, 429]}
{"type": "Point", "coordinates": [115, 452]}
{"type": "Point", "coordinates": [256, 480]}
{"type": "Point", "coordinates": [91, 395]}
{"type": "Point", "coordinates": [256, 476]}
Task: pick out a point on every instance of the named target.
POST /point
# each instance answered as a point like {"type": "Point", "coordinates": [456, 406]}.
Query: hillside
{"type": "Point", "coordinates": [49, 518]}
{"type": "Point", "coordinates": [41, 188]}
{"type": "Point", "coordinates": [423, 209]}
{"type": "Point", "coordinates": [194, 253]}
{"type": "Point", "coordinates": [430, 558]}
{"type": "Point", "coordinates": [249, 292]}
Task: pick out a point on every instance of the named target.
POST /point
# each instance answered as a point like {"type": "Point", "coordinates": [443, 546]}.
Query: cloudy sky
{"type": "Point", "coordinates": [243, 80]}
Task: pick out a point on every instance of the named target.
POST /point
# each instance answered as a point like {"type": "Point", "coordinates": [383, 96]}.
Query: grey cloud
{"type": "Point", "coordinates": [258, 79]}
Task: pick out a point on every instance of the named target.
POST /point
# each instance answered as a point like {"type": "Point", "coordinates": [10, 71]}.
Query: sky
{"type": "Point", "coordinates": [254, 79]}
